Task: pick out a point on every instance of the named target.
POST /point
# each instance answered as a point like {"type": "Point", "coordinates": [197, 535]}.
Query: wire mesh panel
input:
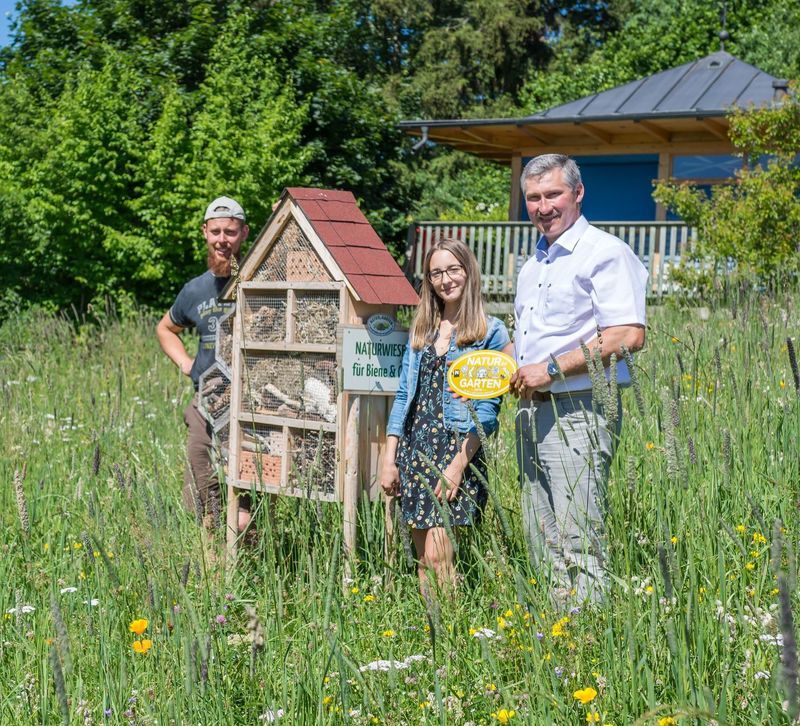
{"type": "Point", "coordinates": [316, 317]}
{"type": "Point", "coordinates": [261, 454]}
{"type": "Point", "coordinates": [215, 396]}
{"type": "Point", "coordinates": [224, 345]}
{"type": "Point", "coordinates": [294, 385]}
{"type": "Point", "coordinates": [291, 258]}
{"type": "Point", "coordinates": [312, 461]}
{"type": "Point", "coordinates": [220, 440]}
{"type": "Point", "coordinates": [264, 317]}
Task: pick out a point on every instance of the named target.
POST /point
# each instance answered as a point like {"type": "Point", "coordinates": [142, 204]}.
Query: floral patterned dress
{"type": "Point", "coordinates": [425, 441]}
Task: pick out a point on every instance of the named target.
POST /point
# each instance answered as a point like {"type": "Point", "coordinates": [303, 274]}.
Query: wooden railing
{"type": "Point", "coordinates": [503, 247]}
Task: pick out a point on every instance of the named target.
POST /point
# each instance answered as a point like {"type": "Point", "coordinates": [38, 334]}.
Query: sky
{"type": "Point", "coordinates": [6, 9]}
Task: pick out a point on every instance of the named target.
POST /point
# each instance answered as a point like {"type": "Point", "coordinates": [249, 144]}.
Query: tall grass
{"type": "Point", "coordinates": [693, 629]}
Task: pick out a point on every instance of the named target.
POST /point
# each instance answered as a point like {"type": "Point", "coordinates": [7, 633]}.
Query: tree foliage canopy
{"type": "Point", "coordinates": [119, 119]}
{"type": "Point", "coordinates": [755, 222]}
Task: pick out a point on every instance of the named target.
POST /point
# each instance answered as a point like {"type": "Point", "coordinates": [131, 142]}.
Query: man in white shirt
{"type": "Point", "coordinates": [582, 286]}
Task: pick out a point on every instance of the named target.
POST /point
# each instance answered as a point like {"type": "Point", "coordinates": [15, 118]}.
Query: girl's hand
{"type": "Point", "coordinates": [448, 486]}
{"type": "Point", "coordinates": [390, 480]}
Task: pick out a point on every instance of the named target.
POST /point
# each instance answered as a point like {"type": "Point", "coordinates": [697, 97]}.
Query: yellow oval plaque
{"type": "Point", "coordinates": [481, 374]}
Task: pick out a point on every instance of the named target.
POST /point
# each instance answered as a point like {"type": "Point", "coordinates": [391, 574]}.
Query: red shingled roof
{"type": "Point", "coordinates": [354, 244]}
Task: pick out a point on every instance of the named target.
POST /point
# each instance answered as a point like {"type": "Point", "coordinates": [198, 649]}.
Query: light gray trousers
{"type": "Point", "coordinates": [564, 450]}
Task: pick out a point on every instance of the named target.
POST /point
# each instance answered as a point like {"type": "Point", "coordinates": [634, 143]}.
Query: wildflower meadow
{"type": "Point", "coordinates": [113, 613]}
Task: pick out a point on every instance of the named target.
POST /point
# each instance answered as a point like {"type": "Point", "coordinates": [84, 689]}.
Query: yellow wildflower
{"type": "Point", "coordinates": [142, 646]}
{"type": "Point", "coordinates": [354, 590]}
{"type": "Point", "coordinates": [649, 446]}
{"type": "Point", "coordinates": [741, 529]}
{"type": "Point", "coordinates": [509, 613]}
{"type": "Point", "coordinates": [369, 598]}
{"type": "Point", "coordinates": [327, 700]}
{"type": "Point", "coordinates": [388, 633]}
{"type": "Point", "coordinates": [774, 591]}
{"type": "Point", "coordinates": [749, 566]}
{"type": "Point", "coordinates": [673, 539]}
{"type": "Point", "coordinates": [424, 704]}
{"type": "Point", "coordinates": [557, 631]}
{"type": "Point", "coordinates": [491, 687]}
{"type": "Point", "coordinates": [504, 715]}
{"type": "Point", "coordinates": [585, 695]}
{"type": "Point", "coordinates": [77, 545]}
{"type": "Point", "coordinates": [667, 721]}
{"type": "Point", "coordinates": [759, 538]}
{"type": "Point", "coordinates": [139, 626]}
{"type": "Point", "coordinates": [593, 717]}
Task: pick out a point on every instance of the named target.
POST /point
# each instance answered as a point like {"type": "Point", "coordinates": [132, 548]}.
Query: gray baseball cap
{"type": "Point", "coordinates": [224, 207]}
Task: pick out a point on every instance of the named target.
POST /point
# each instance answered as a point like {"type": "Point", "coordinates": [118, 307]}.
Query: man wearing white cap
{"type": "Point", "coordinates": [224, 229]}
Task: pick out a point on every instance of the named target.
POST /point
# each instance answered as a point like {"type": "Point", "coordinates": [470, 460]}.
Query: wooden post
{"type": "Point", "coordinates": [390, 504]}
{"type": "Point", "coordinates": [516, 191]}
{"type": "Point", "coordinates": [664, 173]}
{"type": "Point", "coordinates": [232, 474]}
{"type": "Point", "coordinates": [350, 491]}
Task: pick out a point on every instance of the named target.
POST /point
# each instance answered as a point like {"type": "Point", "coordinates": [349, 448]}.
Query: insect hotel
{"type": "Point", "coordinates": [296, 413]}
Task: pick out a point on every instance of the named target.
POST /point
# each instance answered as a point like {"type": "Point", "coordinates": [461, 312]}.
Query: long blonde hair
{"type": "Point", "coordinates": [470, 321]}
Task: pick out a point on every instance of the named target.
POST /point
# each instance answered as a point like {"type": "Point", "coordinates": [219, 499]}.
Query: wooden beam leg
{"type": "Point", "coordinates": [231, 529]}
{"type": "Point", "coordinates": [389, 540]}
{"type": "Point", "coordinates": [350, 493]}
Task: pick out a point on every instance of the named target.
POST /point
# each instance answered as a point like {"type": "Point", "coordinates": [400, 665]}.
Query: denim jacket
{"type": "Point", "coordinates": [456, 414]}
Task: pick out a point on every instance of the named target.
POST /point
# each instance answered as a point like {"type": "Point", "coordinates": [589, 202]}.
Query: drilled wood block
{"type": "Point", "coordinates": [305, 266]}
{"type": "Point", "coordinates": [270, 468]}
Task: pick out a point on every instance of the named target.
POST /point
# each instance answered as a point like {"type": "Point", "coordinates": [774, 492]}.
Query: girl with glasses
{"type": "Point", "coordinates": [433, 454]}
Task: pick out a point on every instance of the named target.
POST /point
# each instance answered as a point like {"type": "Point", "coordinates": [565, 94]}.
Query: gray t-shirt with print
{"type": "Point", "coordinates": [196, 307]}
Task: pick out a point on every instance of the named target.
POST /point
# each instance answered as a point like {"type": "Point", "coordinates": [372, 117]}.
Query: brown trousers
{"type": "Point", "coordinates": [201, 490]}
{"type": "Point", "coordinates": [201, 493]}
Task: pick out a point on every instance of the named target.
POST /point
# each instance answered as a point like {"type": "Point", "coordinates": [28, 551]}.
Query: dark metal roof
{"type": "Point", "coordinates": [710, 86]}
{"type": "Point", "coordinates": [683, 104]}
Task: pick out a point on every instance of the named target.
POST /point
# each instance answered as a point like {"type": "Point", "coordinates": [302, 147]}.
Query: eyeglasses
{"type": "Point", "coordinates": [453, 272]}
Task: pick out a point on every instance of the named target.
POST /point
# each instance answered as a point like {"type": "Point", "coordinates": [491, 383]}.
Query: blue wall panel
{"type": "Point", "coordinates": [618, 188]}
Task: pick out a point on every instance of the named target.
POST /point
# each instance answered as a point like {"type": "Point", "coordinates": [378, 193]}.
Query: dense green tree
{"type": "Point", "coordinates": [649, 36]}
{"type": "Point", "coordinates": [754, 222]}
{"type": "Point", "coordinates": [119, 118]}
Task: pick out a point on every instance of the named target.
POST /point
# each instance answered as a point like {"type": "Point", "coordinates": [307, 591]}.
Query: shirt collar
{"type": "Point", "coordinates": [567, 240]}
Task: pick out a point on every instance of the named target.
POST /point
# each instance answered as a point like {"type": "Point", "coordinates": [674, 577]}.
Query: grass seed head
{"type": "Point", "coordinates": [22, 502]}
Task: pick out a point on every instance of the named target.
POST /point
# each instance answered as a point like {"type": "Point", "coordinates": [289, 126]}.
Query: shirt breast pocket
{"type": "Point", "coordinates": [559, 305]}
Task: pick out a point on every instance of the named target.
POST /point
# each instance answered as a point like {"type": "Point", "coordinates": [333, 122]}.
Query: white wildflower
{"type": "Point", "coordinates": [485, 634]}
{"type": "Point", "coordinates": [65, 590]}
{"type": "Point", "coordinates": [25, 609]}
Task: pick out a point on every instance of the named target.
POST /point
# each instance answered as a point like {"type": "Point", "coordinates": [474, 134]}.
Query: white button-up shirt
{"type": "Point", "coordinates": [586, 280]}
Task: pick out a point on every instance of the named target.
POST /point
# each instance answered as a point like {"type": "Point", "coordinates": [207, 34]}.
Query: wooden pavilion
{"type": "Point", "coordinates": [672, 121]}
{"type": "Point", "coordinates": [671, 125]}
